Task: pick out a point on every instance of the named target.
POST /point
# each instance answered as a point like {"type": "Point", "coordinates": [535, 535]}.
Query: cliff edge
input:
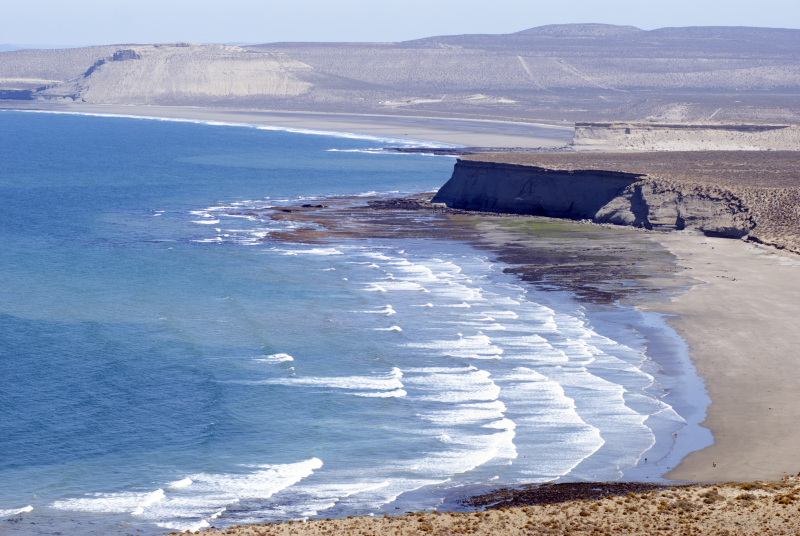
{"type": "Point", "coordinates": [728, 194]}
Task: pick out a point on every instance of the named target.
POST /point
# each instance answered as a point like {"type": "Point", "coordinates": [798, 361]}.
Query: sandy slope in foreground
{"type": "Point", "coordinates": [720, 510]}
{"type": "Point", "coordinates": [743, 337]}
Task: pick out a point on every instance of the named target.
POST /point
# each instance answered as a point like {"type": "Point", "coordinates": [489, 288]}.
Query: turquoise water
{"type": "Point", "coordinates": [167, 366]}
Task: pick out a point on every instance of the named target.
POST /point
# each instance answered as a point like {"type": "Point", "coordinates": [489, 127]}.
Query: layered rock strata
{"type": "Point", "coordinates": [655, 191]}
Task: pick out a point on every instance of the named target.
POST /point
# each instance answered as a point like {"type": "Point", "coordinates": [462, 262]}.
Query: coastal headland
{"type": "Point", "coordinates": [734, 304]}
{"type": "Point", "coordinates": [740, 333]}
{"type": "Point", "coordinates": [733, 301]}
{"type": "Point", "coordinates": [737, 322]}
{"type": "Point", "coordinates": [702, 232]}
{"type": "Point", "coordinates": [735, 194]}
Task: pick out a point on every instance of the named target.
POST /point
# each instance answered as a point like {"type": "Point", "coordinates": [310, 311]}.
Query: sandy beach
{"type": "Point", "coordinates": [733, 302]}
{"type": "Point", "coordinates": [467, 132]}
{"type": "Point", "coordinates": [740, 325]}
{"type": "Point", "coordinates": [739, 322]}
{"type": "Point", "coordinates": [736, 316]}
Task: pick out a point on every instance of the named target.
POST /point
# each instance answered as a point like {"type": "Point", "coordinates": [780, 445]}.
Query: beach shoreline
{"type": "Point", "coordinates": [750, 443]}
{"type": "Point", "coordinates": [591, 270]}
{"type": "Point", "coordinates": [695, 297]}
{"type": "Point", "coordinates": [739, 326]}
{"type": "Point", "coordinates": [462, 132]}
{"type": "Point", "coordinates": [689, 315]}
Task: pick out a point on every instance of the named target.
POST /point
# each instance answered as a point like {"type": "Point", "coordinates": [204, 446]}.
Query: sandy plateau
{"type": "Point", "coordinates": [565, 73]}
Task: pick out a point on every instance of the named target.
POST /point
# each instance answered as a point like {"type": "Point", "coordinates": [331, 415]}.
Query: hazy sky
{"type": "Point", "coordinates": [93, 22]}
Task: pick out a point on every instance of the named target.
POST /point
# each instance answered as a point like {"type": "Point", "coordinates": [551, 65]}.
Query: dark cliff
{"type": "Point", "coordinates": [655, 191]}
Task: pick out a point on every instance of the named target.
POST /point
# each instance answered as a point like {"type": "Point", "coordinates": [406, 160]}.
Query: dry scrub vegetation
{"type": "Point", "coordinates": [771, 508]}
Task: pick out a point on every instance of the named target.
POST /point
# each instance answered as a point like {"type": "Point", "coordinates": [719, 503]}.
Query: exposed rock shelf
{"type": "Point", "coordinates": [730, 194]}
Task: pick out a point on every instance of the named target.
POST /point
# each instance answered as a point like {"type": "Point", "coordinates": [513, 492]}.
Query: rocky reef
{"type": "Point", "coordinates": [718, 193]}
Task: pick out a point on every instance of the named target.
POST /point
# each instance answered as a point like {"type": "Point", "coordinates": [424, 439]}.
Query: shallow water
{"type": "Point", "coordinates": [167, 366]}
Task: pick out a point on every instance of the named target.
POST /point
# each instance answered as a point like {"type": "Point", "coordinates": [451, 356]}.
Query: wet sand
{"type": "Point", "coordinates": [741, 328]}
{"type": "Point", "coordinates": [467, 132]}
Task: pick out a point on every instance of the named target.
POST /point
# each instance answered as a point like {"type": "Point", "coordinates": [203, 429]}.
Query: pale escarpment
{"type": "Point", "coordinates": [651, 136]}
{"type": "Point", "coordinates": [636, 192]}
{"type": "Point", "coordinates": [183, 72]}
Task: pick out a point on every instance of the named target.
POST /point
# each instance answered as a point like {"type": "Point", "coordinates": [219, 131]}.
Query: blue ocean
{"type": "Point", "coordinates": [167, 366]}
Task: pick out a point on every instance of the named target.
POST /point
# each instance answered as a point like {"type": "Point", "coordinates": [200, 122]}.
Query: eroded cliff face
{"type": "Point", "coordinates": [498, 187]}
{"type": "Point", "coordinates": [662, 204]}
{"type": "Point", "coordinates": [766, 215]}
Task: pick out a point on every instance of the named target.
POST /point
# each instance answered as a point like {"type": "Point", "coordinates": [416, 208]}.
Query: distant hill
{"type": "Point", "coordinates": [573, 72]}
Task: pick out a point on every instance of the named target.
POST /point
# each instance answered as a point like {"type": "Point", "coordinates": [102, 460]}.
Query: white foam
{"type": "Point", "coordinates": [319, 251]}
{"type": "Point", "coordinates": [399, 285]}
{"type": "Point", "coordinates": [15, 512]}
{"type": "Point", "coordinates": [440, 369]}
{"type": "Point", "coordinates": [393, 328]}
{"type": "Point", "coordinates": [206, 222]}
{"type": "Point", "coordinates": [275, 358]}
{"type": "Point", "coordinates": [459, 387]}
{"type": "Point", "coordinates": [191, 507]}
{"type": "Point", "coordinates": [467, 414]}
{"type": "Point", "coordinates": [149, 500]}
{"type": "Point", "coordinates": [387, 311]}
{"type": "Point", "coordinates": [464, 305]}
{"type": "Point", "coordinates": [390, 394]}
{"type": "Point", "coordinates": [385, 382]}
{"type": "Point", "coordinates": [374, 287]}
{"type": "Point", "coordinates": [475, 347]}
{"type": "Point", "coordinates": [181, 483]}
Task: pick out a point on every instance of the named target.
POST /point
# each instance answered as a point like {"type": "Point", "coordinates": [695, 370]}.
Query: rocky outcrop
{"type": "Point", "coordinates": [651, 136]}
{"type": "Point", "coordinates": [499, 187]}
{"type": "Point", "coordinates": [768, 215]}
{"type": "Point", "coordinates": [662, 204]}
